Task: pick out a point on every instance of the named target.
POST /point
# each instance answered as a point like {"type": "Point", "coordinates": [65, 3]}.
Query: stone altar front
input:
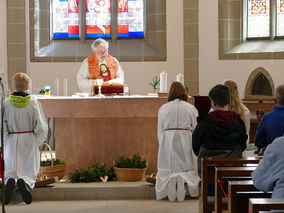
{"type": "Point", "coordinates": [90, 129]}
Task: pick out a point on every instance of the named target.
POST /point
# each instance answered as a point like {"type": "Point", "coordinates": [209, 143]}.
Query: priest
{"type": "Point", "coordinates": [90, 67]}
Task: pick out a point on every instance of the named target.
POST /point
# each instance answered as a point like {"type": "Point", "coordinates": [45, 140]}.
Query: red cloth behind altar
{"type": "Point", "coordinates": [114, 88]}
{"type": "Point", "coordinates": [202, 104]}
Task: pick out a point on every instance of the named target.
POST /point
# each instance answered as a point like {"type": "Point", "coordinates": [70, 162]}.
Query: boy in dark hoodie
{"type": "Point", "coordinates": [221, 133]}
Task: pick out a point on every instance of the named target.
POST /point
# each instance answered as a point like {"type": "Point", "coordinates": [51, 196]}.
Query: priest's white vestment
{"type": "Point", "coordinates": [22, 157]}
{"type": "Point", "coordinates": [176, 122]}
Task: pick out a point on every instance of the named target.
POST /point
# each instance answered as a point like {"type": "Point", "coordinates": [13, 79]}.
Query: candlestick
{"type": "Point", "coordinates": [57, 87]}
{"type": "Point", "coordinates": [30, 87]}
{"type": "Point", "coordinates": [163, 82]}
{"type": "Point", "coordinates": [65, 87]}
{"type": "Point", "coordinates": [180, 78]}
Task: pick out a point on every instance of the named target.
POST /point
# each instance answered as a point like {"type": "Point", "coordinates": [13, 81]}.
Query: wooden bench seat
{"type": "Point", "coordinates": [240, 192]}
{"type": "Point", "coordinates": [244, 196]}
{"type": "Point", "coordinates": [221, 174]}
{"type": "Point", "coordinates": [207, 176]}
{"type": "Point", "coordinates": [233, 188]}
{"type": "Point", "coordinates": [263, 104]}
{"type": "Point", "coordinates": [260, 204]}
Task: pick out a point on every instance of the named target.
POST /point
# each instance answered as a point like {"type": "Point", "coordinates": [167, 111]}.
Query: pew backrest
{"type": "Point", "coordinates": [261, 104]}
{"type": "Point", "coordinates": [208, 172]}
{"type": "Point", "coordinates": [220, 187]}
{"type": "Point", "coordinates": [265, 204]}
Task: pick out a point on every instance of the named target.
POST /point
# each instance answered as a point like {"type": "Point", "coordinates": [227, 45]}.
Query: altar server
{"type": "Point", "coordinates": [90, 67]}
{"type": "Point", "coordinates": [25, 129]}
{"type": "Point", "coordinates": [176, 162]}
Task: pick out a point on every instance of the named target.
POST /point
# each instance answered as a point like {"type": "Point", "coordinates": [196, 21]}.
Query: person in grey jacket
{"type": "Point", "coordinates": [269, 175]}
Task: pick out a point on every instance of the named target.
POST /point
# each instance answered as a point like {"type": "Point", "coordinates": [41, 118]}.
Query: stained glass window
{"type": "Point", "coordinates": [98, 18]}
{"type": "Point", "coordinates": [65, 19]}
{"type": "Point", "coordinates": [258, 23]}
{"type": "Point", "coordinates": [130, 18]}
{"type": "Point", "coordinates": [280, 18]}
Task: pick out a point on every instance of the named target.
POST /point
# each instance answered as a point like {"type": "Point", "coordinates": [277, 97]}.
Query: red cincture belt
{"type": "Point", "coordinates": [176, 129]}
{"type": "Point", "coordinates": [21, 132]}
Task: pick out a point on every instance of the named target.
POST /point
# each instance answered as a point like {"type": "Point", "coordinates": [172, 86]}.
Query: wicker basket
{"type": "Point", "coordinates": [129, 174]}
{"type": "Point", "coordinates": [51, 171]}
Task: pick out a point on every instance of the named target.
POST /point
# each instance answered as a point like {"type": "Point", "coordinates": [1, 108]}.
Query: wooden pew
{"type": "Point", "coordinates": [260, 204]}
{"type": "Point", "coordinates": [207, 177]}
{"type": "Point", "coordinates": [243, 198]}
{"type": "Point", "coordinates": [254, 103]}
{"type": "Point", "coordinates": [220, 174]}
{"type": "Point", "coordinates": [233, 188]}
{"type": "Point", "coordinates": [239, 193]}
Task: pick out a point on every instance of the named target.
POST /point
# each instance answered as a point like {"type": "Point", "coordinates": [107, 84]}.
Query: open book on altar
{"type": "Point", "coordinates": [109, 89]}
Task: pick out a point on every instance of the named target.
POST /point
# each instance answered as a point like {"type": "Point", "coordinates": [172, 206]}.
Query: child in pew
{"type": "Point", "coordinates": [221, 133]}
{"type": "Point", "coordinates": [25, 129]}
{"type": "Point", "coordinates": [237, 106]}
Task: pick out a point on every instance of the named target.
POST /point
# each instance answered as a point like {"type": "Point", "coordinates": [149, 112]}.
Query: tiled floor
{"type": "Point", "coordinates": [109, 206]}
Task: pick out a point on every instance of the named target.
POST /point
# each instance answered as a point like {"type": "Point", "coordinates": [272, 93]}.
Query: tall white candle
{"type": "Point", "coordinates": [30, 87]}
{"type": "Point", "coordinates": [163, 82]}
{"type": "Point", "coordinates": [180, 78]}
{"type": "Point", "coordinates": [65, 87]}
{"type": "Point", "coordinates": [56, 87]}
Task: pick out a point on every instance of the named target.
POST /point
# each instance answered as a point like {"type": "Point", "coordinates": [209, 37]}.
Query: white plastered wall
{"type": "Point", "coordinates": [212, 70]}
{"type": "Point", "coordinates": [3, 38]}
{"type": "Point", "coordinates": [137, 74]}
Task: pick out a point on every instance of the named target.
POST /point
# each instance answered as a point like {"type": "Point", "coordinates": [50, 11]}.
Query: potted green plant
{"type": "Point", "coordinates": [155, 83]}
{"type": "Point", "coordinates": [51, 167]}
{"type": "Point", "coordinates": [97, 173]}
{"type": "Point", "coordinates": [130, 169]}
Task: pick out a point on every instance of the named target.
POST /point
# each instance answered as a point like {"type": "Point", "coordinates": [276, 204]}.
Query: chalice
{"type": "Point", "coordinates": [100, 82]}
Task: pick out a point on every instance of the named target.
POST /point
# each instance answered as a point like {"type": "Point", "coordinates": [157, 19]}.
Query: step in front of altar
{"type": "Point", "coordinates": [95, 191]}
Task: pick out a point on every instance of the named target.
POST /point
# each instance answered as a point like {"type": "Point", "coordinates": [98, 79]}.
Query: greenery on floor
{"type": "Point", "coordinates": [135, 162]}
{"type": "Point", "coordinates": [92, 174]}
{"type": "Point", "coordinates": [47, 162]}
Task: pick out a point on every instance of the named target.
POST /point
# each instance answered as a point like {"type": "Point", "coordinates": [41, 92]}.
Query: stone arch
{"type": "Point", "coordinates": [259, 85]}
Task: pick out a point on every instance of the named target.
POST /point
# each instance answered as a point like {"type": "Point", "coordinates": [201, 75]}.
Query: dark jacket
{"type": "Point", "coordinates": [270, 127]}
{"type": "Point", "coordinates": [220, 133]}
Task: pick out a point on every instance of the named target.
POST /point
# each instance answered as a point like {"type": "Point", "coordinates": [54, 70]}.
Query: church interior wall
{"type": "Point", "coordinates": [3, 38]}
{"type": "Point", "coordinates": [137, 74]}
{"type": "Point", "coordinates": [212, 70]}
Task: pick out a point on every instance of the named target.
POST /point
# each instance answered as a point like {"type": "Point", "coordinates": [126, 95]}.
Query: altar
{"type": "Point", "coordinates": [89, 128]}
